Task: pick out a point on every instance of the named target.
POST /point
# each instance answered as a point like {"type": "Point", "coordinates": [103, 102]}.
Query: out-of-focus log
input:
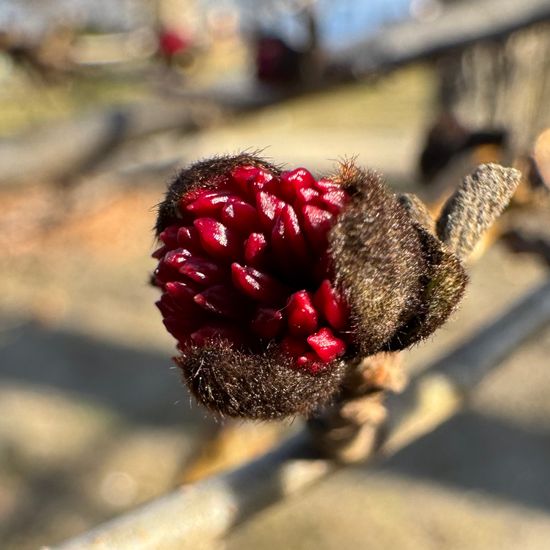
{"type": "Point", "coordinates": [66, 148]}
{"type": "Point", "coordinates": [460, 24]}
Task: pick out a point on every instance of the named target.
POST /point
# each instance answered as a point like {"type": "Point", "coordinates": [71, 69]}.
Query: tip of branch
{"type": "Point", "coordinates": [475, 205]}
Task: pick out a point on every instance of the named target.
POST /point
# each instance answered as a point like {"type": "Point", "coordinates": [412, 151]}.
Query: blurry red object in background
{"type": "Point", "coordinates": [172, 42]}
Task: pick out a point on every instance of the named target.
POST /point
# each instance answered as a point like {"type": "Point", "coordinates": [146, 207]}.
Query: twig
{"type": "Point", "coordinates": [440, 391]}
{"type": "Point", "coordinates": [203, 512]}
{"type": "Point", "coordinates": [195, 514]}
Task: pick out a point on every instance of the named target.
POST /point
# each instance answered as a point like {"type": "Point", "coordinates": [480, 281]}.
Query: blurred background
{"type": "Point", "coordinates": [101, 101]}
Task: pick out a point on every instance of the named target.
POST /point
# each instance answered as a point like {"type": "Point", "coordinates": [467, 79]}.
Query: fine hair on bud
{"type": "Point", "coordinates": [256, 386]}
{"type": "Point", "coordinates": [399, 280]}
{"type": "Point", "coordinates": [203, 174]}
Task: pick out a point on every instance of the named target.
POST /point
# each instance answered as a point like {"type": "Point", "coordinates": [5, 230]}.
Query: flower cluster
{"type": "Point", "coordinates": [247, 263]}
{"type": "Point", "coordinates": [274, 281]}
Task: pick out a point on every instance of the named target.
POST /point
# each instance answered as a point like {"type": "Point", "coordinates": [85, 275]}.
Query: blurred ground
{"type": "Point", "coordinates": [93, 419]}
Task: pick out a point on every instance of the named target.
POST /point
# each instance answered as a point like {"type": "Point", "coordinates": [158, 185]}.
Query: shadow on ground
{"type": "Point", "coordinates": [88, 429]}
{"type": "Point", "coordinates": [140, 385]}
{"type": "Point", "coordinates": [476, 483]}
{"type": "Point", "coordinates": [477, 452]}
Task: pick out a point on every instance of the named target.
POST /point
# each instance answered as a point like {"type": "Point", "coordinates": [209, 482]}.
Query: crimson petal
{"type": "Point", "coordinates": [288, 241]}
{"type": "Point", "coordinates": [268, 207]}
{"type": "Point", "coordinates": [267, 323]}
{"type": "Point", "coordinates": [257, 285]}
{"type": "Point", "coordinates": [326, 345]}
{"type": "Point", "coordinates": [255, 248]}
{"type": "Point", "coordinates": [241, 216]}
{"type": "Point", "coordinates": [302, 316]}
{"type": "Point", "coordinates": [293, 180]}
{"type": "Point", "coordinates": [221, 300]}
{"type": "Point", "coordinates": [188, 237]}
{"type": "Point", "coordinates": [331, 305]}
{"type": "Point", "coordinates": [202, 271]}
{"type": "Point", "coordinates": [208, 203]}
{"type": "Point", "coordinates": [217, 239]}
{"type": "Point", "coordinates": [317, 223]}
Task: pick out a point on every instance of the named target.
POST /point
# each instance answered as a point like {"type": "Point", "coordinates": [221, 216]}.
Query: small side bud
{"type": "Point", "coordinates": [475, 205]}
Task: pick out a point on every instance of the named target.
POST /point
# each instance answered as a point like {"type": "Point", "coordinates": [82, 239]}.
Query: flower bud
{"type": "Point", "coordinates": [274, 281]}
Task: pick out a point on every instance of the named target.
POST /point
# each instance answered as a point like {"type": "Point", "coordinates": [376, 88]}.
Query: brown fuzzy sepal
{"type": "Point", "coordinates": [202, 175]}
{"type": "Point", "coordinates": [400, 281]}
{"type": "Point", "coordinates": [257, 386]}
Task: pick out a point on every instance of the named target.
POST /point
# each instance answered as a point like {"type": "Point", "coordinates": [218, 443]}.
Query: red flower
{"type": "Point", "coordinates": [247, 263]}
{"type": "Point", "coordinates": [172, 42]}
{"type": "Point", "coordinates": [273, 283]}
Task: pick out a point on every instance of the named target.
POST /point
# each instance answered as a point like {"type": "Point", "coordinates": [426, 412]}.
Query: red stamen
{"type": "Point", "coordinates": [326, 345]}
{"type": "Point", "coordinates": [302, 316]}
{"type": "Point", "coordinates": [217, 239]}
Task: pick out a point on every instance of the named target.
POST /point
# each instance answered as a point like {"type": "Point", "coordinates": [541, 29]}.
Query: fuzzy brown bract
{"type": "Point", "coordinates": [258, 386]}
{"type": "Point", "coordinates": [202, 175]}
{"type": "Point", "coordinates": [399, 279]}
